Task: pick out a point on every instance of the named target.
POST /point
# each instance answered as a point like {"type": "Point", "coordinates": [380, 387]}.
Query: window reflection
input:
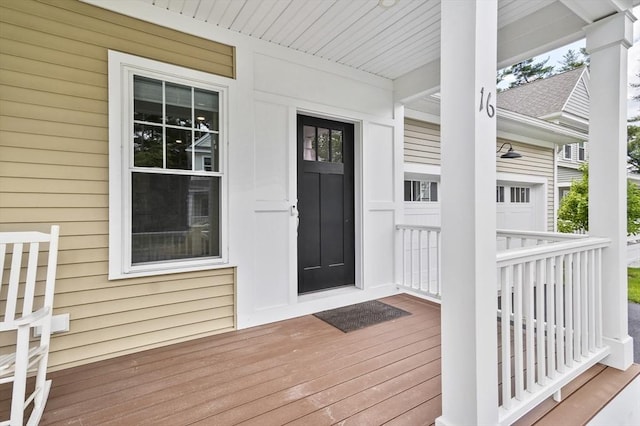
{"type": "Point", "coordinates": [309, 143]}
{"type": "Point", "coordinates": [174, 217]}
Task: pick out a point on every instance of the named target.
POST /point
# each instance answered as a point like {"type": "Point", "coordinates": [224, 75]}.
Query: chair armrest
{"type": "Point", "coordinates": [32, 317]}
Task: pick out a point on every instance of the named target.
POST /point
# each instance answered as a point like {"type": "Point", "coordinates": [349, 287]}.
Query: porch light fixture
{"type": "Point", "coordinates": [386, 4]}
{"type": "Point", "coordinates": [510, 152]}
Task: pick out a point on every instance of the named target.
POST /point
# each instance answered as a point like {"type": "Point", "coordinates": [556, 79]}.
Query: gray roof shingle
{"type": "Point", "coordinates": [541, 97]}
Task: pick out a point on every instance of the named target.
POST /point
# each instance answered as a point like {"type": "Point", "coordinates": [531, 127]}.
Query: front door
{"type": "Point", "coordinates": [326, 256]}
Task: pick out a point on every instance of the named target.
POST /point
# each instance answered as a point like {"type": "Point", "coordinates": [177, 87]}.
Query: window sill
{"type": "Point", "coordinates": [175, 270]}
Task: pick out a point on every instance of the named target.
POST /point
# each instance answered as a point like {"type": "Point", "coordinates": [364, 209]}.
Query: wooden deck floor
{"type": "Point", "coordinates": [301, 371]}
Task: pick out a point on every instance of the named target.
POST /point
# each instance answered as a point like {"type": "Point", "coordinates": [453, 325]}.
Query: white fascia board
{"type": "Point", "coordinates": [532, 130]}
{"type": "Point", "coordinates": [429, 117]}
{"type": "Point", "coordinates": [144, 11]}
{"type": "Point", "coordinates": [567, 118]}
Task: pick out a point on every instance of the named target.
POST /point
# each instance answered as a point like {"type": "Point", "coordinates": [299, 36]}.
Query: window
{"type": "Point", "coordinates": [520, 194]}
{"type": "Point", "coordinates": [322, 144]}
{"type": "Point", "coordinates": [567, 152]}
{"type": "Point", "coordinates": [581, 152]}
{"type": "Point", "coordinates": [420, 190]}
{"type": "Point", "coordinates": [166, 205]}
{"type": "Point", "coordinates": [499, 194]}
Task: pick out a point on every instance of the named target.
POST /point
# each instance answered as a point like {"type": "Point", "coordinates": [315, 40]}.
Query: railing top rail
{"type": "Point", "coordinates": [418, 227]}
{"type": "Point", "coordinates": [526, 254]}
{"type": "Point", "coordinates": [539, 235]}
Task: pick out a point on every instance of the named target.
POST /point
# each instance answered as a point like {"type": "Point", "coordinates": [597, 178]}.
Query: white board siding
{"type": "Point", "coordinates": [422, 146]}
{"type": "Point", "coordinates": [578, 102]}
{"type": "Point", "coordinates": [54, 169]}
{"type": "Point", "coordinates": [567, 174]}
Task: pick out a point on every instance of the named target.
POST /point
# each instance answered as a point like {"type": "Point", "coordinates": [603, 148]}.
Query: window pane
{"type": "Point", "coordinates": [147, 146]}
{"type": "Point", "coordinates": [178, 157]}
{"type": "Point", "coordinates": [178, 99]}
{"type": "Point", "coordinates": [309, 143]}
{"type": "Point", "coordinates": [174, 217]}
{"type": "Point", "coordinates": [206, 109]}
{"type": "Point", "coordinates": [323, 144]}
{"type": "Point", "coordinates": [407, 190]}
{"type": "Point", "coordinates": [206, 146]}
{"type": "Point", "coordinates": [147, 99]}
{"type": "Point", "coordinates": [336, 146]}
{"type": "Point", "coordinates": [434, 192]}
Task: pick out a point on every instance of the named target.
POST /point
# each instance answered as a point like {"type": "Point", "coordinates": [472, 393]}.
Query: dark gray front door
{"type": "Point", "coordinates": [326, 256]}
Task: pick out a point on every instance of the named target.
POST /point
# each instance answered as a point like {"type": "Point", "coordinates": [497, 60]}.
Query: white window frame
{"type": "Point", "coordinates": [121, 68]}
{"type": "Point", "coordinates": [564, 151]}
{"type": "Point", "coordinates": [582, 152]}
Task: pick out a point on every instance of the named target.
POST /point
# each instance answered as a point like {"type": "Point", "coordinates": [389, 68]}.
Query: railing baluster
{"type": "Point", "coordinates": [577, 315]}
{"type": "Point", "coordinates": [560, 323]}
{"type": "Point", "coordinates": [529, 324]}
{"type": "Point", "coordinates": [404, 257]}
{"type": "Point", "coordinates": [539, 291]}
{"type": "Point", "coordinates": [569, 331]}
{"type": "Point", "coordinates": [438, 272]}
{"type": "Point", "coordinates": [505, 307]}
{"type": "Point", "coordinates": [419, 259]}
{"type": "Point", "coordinates": [518, 348]}
{"type": "Point", "coordinates": [429, 290]}
{"type": "Point", "coordinates": [584, 308]}
{"type": "Point", "coordinates": [551, 319]}
{"type": "Point", "coordinates": [411, 258]}
{"type": "Point", "coordinates": [592, 301]}
{"type": "Point", "coordinates": [598, 275]}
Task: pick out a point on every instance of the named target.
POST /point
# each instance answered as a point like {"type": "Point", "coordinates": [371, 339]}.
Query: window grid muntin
{"type": "Point", "coordinates": [164, 79]}
{"type": "Point", "coordinates": [415, 191]}
{"type": "Point", "coordinates": [520, 194]}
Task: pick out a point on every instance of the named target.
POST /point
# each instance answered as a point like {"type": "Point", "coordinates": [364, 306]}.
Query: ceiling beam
{"type": "Point", "coordinates": [423, 81]}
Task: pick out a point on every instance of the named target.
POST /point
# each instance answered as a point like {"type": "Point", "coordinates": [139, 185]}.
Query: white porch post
{"type": "Point", "coordinates": [468, 129]}
{"type": "Point", "coordinates": [607, 42]}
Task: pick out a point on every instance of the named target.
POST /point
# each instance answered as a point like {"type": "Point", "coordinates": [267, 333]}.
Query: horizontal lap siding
{"type": "Point", "coordinates": [422, 146]}
{"type": "Point", "coordinates": [54, 169]}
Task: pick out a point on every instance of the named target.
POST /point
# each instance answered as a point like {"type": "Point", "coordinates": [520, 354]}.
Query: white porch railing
{"type": "Point", "coordinates": [553, 331]}
{"type": "Point", "coordinates": [421, 259]}
{"type": "Point", "coordinates": [553, 287]}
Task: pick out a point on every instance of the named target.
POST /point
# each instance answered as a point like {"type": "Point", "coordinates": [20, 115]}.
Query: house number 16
{"type": "Point", "coordinates": [491, 111]}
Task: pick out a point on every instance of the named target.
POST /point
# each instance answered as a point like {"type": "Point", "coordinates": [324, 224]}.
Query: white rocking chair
{"type": "Point", "coordinates": [16, 322]}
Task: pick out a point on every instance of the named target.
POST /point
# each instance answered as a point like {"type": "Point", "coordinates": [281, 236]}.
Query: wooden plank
{"type": "Point", "coordinates": [52, 186]}
{"type": "Point", "coordinates": [54, 20]}
{"type": "Point", "coordinates": [57, 115]}
{"type": "Point", "coordinates": [49, 128]}
{"type": "Point", "coordinates": [48, 84]}
{"type": "Point", "coordinates": [57, 72]}
{"type": "Point", "coordinates": [38, 97]}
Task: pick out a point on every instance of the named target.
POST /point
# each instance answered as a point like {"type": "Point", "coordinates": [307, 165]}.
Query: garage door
{"type": "Point", "coordinates": [516, 207]}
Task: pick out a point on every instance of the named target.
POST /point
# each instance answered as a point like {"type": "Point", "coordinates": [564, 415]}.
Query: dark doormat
{"type": "Point", "coordinates": [360, 315]}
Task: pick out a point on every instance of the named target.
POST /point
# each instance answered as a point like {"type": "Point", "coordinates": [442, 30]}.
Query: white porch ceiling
{"type": "Point", "coordinates": [389, 42]}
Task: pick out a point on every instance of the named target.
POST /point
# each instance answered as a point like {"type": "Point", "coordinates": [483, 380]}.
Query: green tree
{"type": "Point", "coordinates": [527, 71]}
{"type": "Point", "coordinates": [633, 146]}
{"type": "Point", "coordinates": [573, 214]}
{"type": "Point", "coordinates": [572, 60]}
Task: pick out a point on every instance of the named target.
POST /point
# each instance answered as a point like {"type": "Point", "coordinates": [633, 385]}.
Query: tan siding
{"type": "Point", "coordinates": [54, 169]}
{"type": "Point", "coordinates": [421, 142]}
{"type": "Point", "coordinates": [535, 161]}
{"type": "Point", "coordinates": [422, 145]}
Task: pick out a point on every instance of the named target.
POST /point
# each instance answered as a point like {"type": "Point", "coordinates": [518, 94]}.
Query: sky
{"type": "Point", "coordinates": [633, 107]}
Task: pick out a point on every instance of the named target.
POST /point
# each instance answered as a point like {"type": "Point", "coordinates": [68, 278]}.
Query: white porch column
{"type": "Point", "coordinates": [607, 42]}
{"type": "Point", "coordinates": [468, 129]}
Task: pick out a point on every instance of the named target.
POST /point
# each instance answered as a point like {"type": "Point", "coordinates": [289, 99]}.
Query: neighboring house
{"type": "Point", "coordinates": [108, 106]}
{"type": "Point", "coordinates": [562, 99]}
{"type": "Point", "coordinates": [525, 185]}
